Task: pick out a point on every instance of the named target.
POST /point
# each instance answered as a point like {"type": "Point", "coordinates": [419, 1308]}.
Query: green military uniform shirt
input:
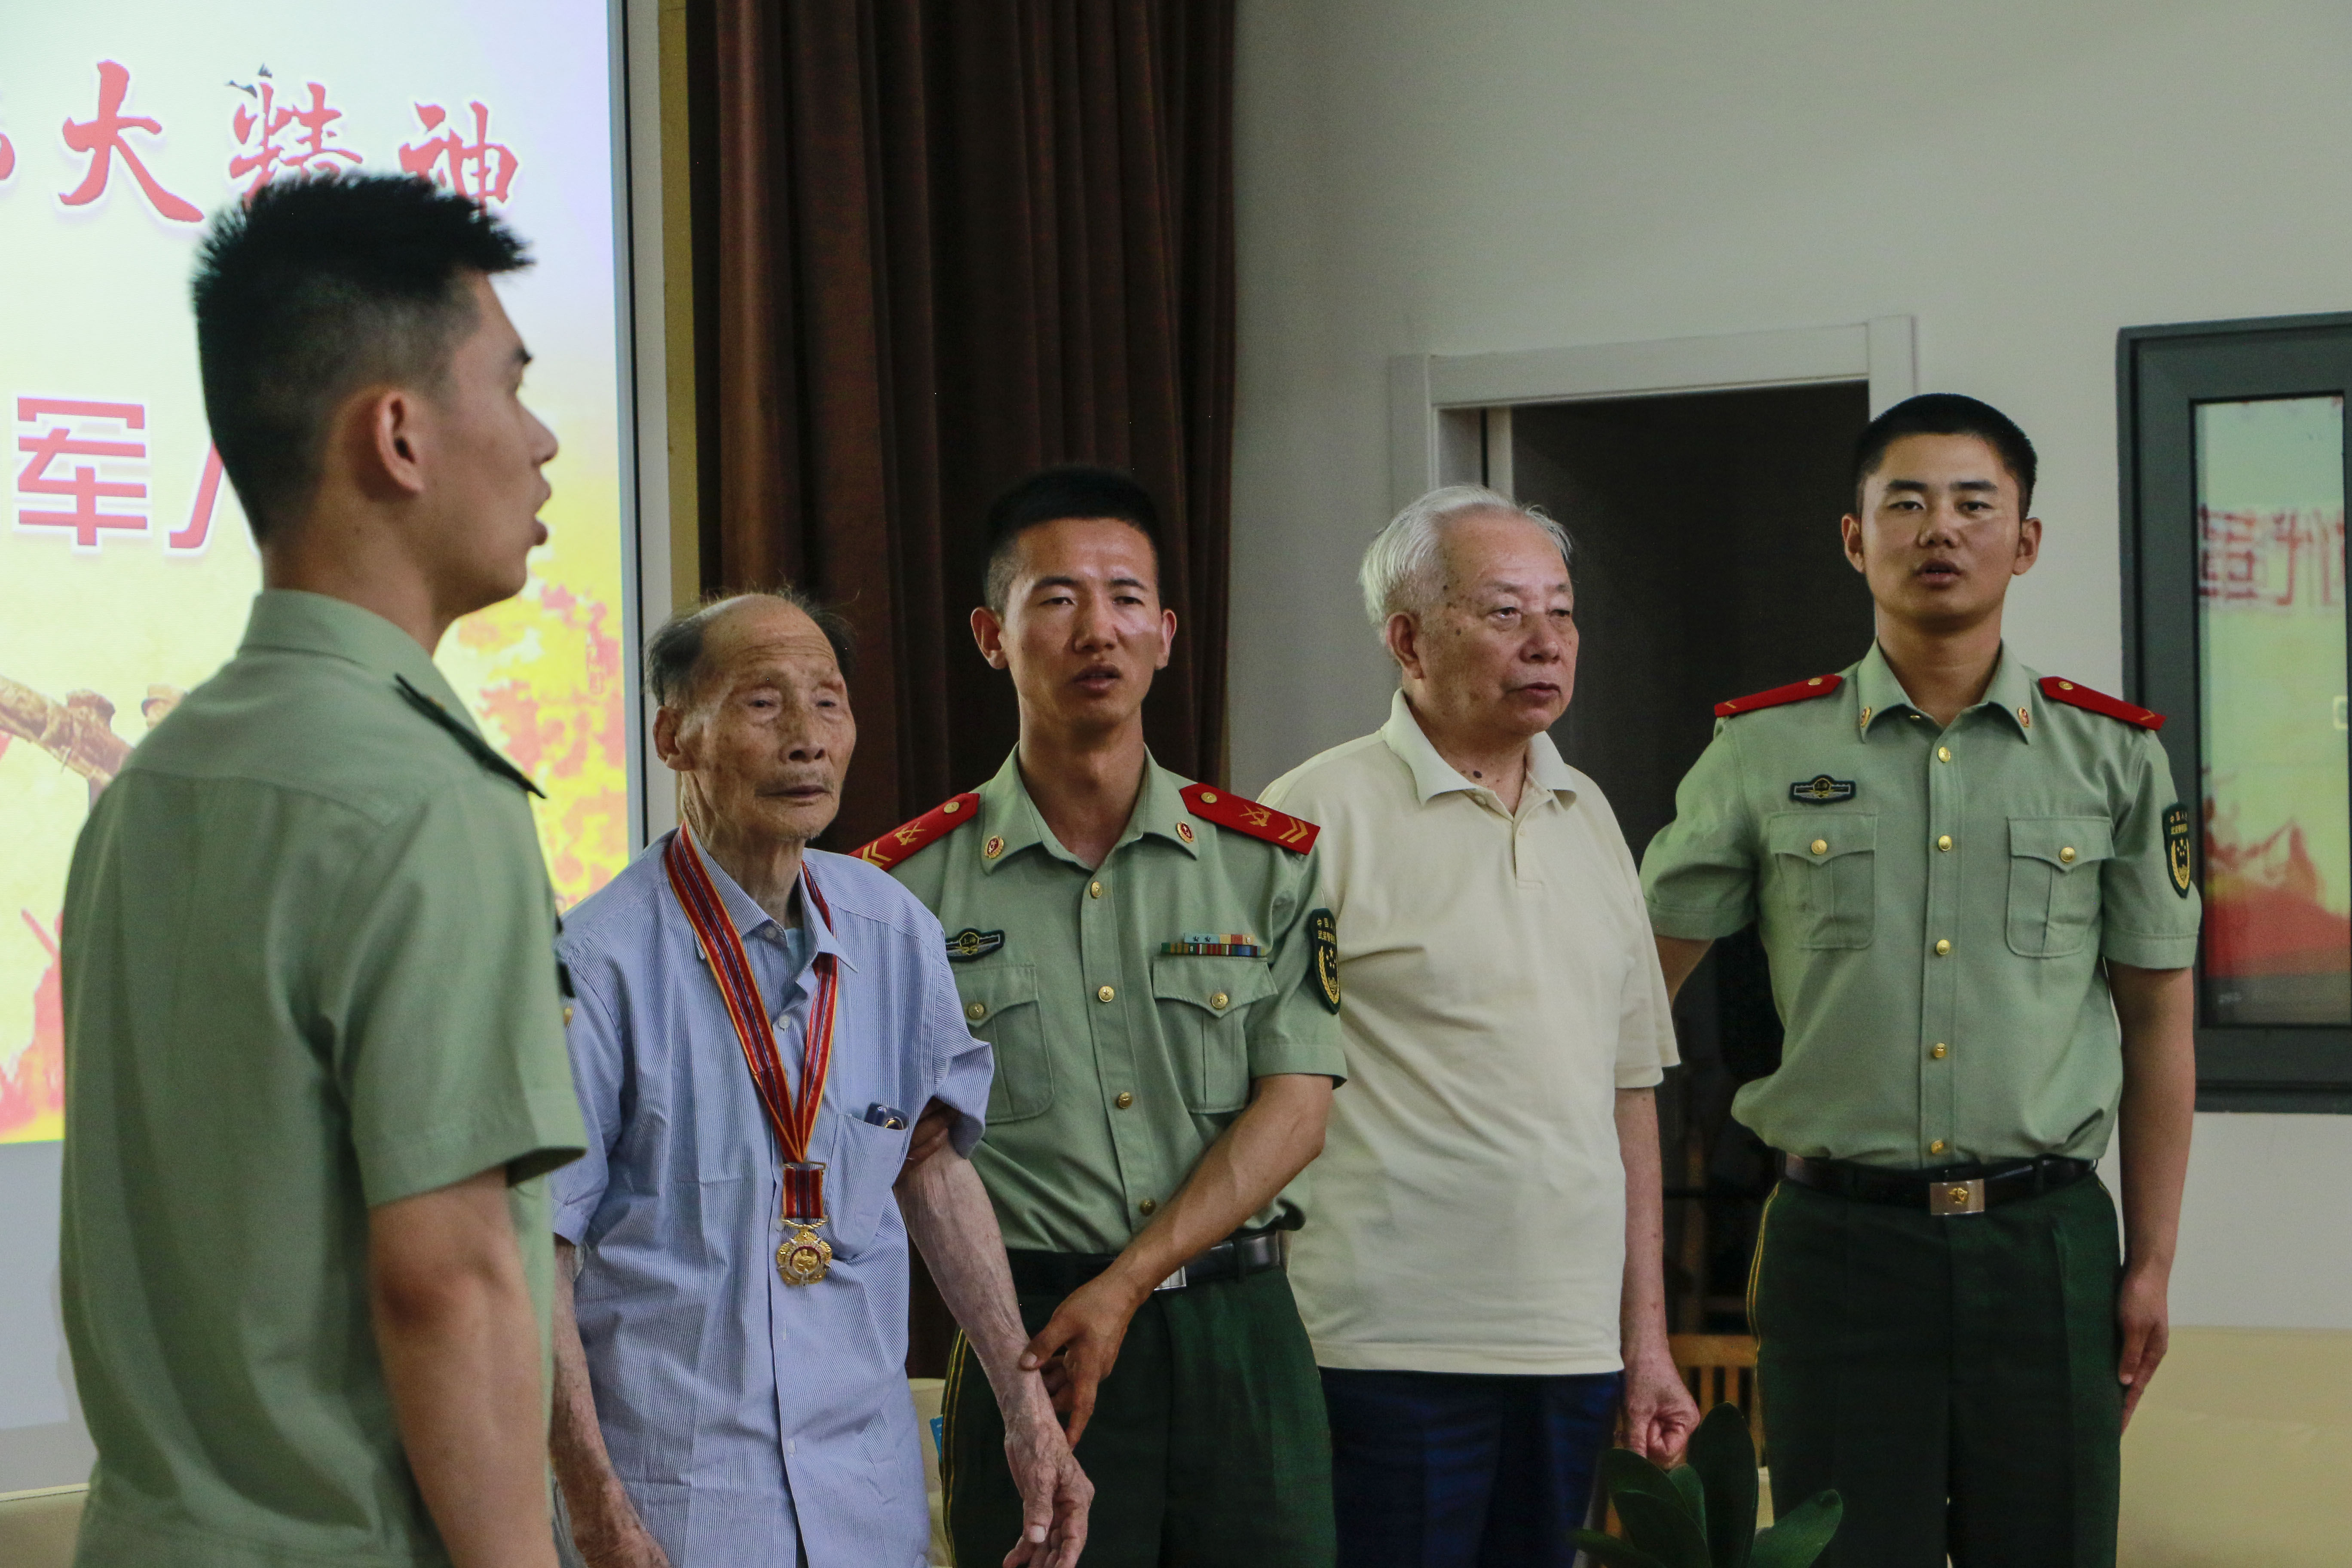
{"type": "Point", "coordinates": [308, 971]}
{"type": "Point", "coordinates": [1117, 1065]}
{"type": "Point", "coordinates": [1935, 905]}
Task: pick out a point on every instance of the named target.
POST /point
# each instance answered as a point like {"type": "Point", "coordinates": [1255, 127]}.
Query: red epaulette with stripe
{"type": "Point", "coordinates": [1226, 809]}
{"type": "Point", "coordinates": [1795, 691]}
{"type": "Point", "coordinates": [2073, 694]}
{"type": "Point", "coordinates": [926, 829]}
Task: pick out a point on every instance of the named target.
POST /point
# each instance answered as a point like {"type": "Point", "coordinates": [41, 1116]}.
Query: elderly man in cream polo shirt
{"type": "Point", "coordinates": [1482, 1278]}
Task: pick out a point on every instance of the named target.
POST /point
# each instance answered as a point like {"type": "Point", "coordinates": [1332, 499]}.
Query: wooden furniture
{"type": "Point", "coordinates": [1717, 1368]}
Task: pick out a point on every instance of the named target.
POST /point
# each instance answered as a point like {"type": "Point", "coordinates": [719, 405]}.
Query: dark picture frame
{"type": "Point", "coordinates": [2162, 374]}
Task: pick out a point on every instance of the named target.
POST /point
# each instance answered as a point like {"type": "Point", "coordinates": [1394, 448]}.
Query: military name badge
{"type": "Point", "coordinates": [1823, 790]}
{"type": "Point", "coordinates": [968, 945]}
{"type": "Point", "coordinates": [1325, 932]}
{"type": "Point", "coordinates": [2176, 849]}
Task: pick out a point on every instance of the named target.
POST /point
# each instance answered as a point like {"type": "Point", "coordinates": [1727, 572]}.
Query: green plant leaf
{"type": "Point", "coordinates": [1801, 1535]}
{"type": "Point", "coordinates": [1692, 1489]}
{"type": "Point", "coordinates": [1664, 1530]}
{"type": "Point", "coordinates": [1613, 1553]}
{"type": "Point", "coordinates": [1626, 1472]}
{"type": "Point", "coordinates": [1724, 1457]}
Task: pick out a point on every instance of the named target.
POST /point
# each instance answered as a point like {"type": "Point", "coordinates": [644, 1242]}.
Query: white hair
{"type": "Point", "coordinates": [1401, 568]}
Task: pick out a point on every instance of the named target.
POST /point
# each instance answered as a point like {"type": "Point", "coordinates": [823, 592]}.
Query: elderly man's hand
{"type": "Point", "coordinates": [1054, 1492]}
{"type": "Point", "coordinates": [1660, 1414]}
{"type": "Point", "coordinates": [1075, 1350]}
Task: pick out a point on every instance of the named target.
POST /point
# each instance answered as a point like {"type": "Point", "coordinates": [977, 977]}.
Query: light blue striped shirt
{"type": "Point", "coordinates": [736, 1407]}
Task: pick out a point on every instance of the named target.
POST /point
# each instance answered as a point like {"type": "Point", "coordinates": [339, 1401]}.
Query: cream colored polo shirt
{"type": "Point", "coordinates": [1501, 984]}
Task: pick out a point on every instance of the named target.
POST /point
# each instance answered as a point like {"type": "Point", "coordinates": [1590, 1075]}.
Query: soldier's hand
{"type": "Point", "coordinates": [932, 1130]}
{"type": "Point", "coordinates": [2144, 1321]}
{"type": "Point", "coordinates": [1054, 1492]}
{"type": "Point", "coordinates": [1075, 1348]}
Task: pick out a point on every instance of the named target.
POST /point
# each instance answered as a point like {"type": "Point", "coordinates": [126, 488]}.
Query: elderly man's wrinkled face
{"type": "Point", "coordinates": [1497, 657]}
{"type": "Point", "coordinates": [766, 734]}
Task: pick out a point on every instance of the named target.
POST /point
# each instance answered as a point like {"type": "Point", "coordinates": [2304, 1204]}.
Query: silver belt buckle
{"type": "Point", "coordinates": [1176, 1281]}
{"type": "Point", "coordinates": [1956, 1198]}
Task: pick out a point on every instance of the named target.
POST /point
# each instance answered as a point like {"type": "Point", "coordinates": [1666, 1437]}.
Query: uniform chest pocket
{"type": "Point", "coordinates": [1000, 1007]}
{"type": "Point", "coordinates": [1204, 1005]}
{"type": "Point", "coordinates": [2054, 882]}
{"type": "Point", "coordinates": [1824, 876]}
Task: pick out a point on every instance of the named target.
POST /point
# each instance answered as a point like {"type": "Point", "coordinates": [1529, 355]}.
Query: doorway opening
{"type": "Point", "coordinates": [1708, 566]}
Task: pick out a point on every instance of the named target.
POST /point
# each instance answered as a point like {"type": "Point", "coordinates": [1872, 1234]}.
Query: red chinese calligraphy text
{"type": "Point", "coordinates": [103, 137]}
{"type": "Point", "coordinates": [482, 170]}
{"type": "Point", "coordinates": [263, 134]}
{"type": "Point", "coordinates": [71, 437]}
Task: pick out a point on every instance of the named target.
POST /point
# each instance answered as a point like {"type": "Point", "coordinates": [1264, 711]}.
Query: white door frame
{"type": "Point", "coordinates": [1449, 414]}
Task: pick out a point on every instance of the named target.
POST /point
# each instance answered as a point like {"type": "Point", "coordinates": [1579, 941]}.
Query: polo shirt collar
{"type": "Point", "coordinates": [1007, 814]}
{"type": "Point", "coordinates": [289, 620]}
{"type": "Point", "coordinates": [1433, 776]}
{"type": "Point", "coordinates": [2010, 693]}
{"type": "Point", "coordinates": [743, 911]}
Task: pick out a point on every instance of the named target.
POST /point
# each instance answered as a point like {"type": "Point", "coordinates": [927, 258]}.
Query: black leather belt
{"type": "Point", "coordinates": [1056, 1274]}
{"type": "Point", "coordinates": [1951, 1190]}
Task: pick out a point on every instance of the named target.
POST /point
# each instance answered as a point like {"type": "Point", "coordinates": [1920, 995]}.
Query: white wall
{"type": "Point", "coordinates": [2023, 177]}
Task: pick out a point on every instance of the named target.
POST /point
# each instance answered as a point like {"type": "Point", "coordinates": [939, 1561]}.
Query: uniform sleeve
{"type": "Point", "coordinates": [1297, 1033]}
{"type": "Point", "coordinates": [2146, 920]}
{"type": "Point", "coordinates": [440, 986]}
{"type": "Point", "coordinates": [599, 1064]}
{"type": "Point", "coordinates": [1698, 876]}
{"type": "Point", "coordinates": [962, 1067]}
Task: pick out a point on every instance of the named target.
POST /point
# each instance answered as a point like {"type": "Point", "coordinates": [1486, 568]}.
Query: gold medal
{"type": "Point", "coordinates": [804, 1259]}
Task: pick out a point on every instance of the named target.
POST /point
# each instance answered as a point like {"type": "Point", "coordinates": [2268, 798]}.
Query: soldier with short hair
{"type": "Point", "coordinates": [1152, 963]}
{"type": "Point", "coordinates": [1967, 876]}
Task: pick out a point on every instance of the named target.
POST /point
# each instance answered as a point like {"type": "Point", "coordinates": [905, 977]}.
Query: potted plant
{"type": "Point", "coordinates": [1702, 1515]}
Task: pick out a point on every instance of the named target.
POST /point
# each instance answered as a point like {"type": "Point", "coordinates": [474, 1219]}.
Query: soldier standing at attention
{"type": "Point", "coordinates": [1966, 876]}
{"type": "Point", "coordinates": [1153, 965]}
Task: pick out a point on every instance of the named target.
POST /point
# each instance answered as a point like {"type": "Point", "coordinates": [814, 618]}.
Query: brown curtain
{"type": "Point", "coordinates": [945, 242]}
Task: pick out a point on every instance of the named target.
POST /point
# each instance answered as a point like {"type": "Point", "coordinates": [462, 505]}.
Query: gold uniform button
{"type": "Point", "coordinates": [1148, 1204]}
{"type": "Point", "coordinates": [1939, 1051]}
{"type": "Point", "coordinates": [1208, 798]}
{"type": "Point", "coordinates": [1943, 950]}
{"type": "Point", "coordinates": [1937, 1148]}
{"type": "Point", "coordinates": [975, 1011]}
{"type": "Point", "coordinates": [1821, 847]}
{"type": "Point", "coordinates": [567, 1012]}
{"type": "Point", "coordinates": [2067, 856]}
{"type": "Point", "coordinates": [1219, 1001]}
{"type": "Point", "coordinates": [1094, 889]}
{"type": "Point", "coordinates": [1944, 844]}
{"type": "Point", "coordinates": [1943, 753]}
{"type": "Point", "coordinates": [952, 808]}
{"type": "Point", "coordinates": [1124, 1100]}
{"type": "Point", "coordinates": [1104, 994]}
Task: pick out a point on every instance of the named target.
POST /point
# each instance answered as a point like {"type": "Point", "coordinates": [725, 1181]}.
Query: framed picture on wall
{"type": "Point", "coordinates": [2233, 453]}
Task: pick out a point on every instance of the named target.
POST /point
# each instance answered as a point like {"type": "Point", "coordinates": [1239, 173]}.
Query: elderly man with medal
{"type": "Point", "coordinates": [757, 1030]}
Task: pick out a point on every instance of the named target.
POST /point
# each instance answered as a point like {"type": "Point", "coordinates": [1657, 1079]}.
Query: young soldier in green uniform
{"type": "Point", "coordinates": [1965, 877]}
{"type": "Point", "coordinates": [1153, 965]}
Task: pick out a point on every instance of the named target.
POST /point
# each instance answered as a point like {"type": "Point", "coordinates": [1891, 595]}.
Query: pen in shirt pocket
{"type": "Point", "coordinates": [886, 1116]}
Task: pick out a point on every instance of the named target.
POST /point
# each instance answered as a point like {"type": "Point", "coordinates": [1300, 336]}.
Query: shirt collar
{"type": "Point", "coordinates": [288, 620]}
{"type": "Point", "coordinates": [1010, 822]}
{"type": "Point", "coordinates": [2010, 693]}
{"type": "Point", "coordinates": [743, 911]}
{"type": "Point", "coordinates": [1433, 776]}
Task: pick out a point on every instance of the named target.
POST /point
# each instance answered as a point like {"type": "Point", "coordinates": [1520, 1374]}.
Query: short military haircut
{"type": "Point", "coordinates": [1946, 414]}
{"type": "Point", "coordinates": [1050, 495]}
{"type": "Point", "coordinates": [674, 653]}
{"type": "Point", "coordinates": [319, 286]}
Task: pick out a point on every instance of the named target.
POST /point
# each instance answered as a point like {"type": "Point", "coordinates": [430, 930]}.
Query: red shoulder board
{"type": "Point", "coordinates": [1795, 691]}
{"type": "Point", "coordinates": [2073, 694]}
{"type": "Point", "coordinates": [1226, 809]}
{"type": "Point", "coordinates": [934, 825]}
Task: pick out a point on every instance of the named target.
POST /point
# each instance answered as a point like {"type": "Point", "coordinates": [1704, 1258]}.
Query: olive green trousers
{"type": "Point", "coordinates": [1953, 1378]}
{"type": "Point", "coordinates": [1208, 1447]}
